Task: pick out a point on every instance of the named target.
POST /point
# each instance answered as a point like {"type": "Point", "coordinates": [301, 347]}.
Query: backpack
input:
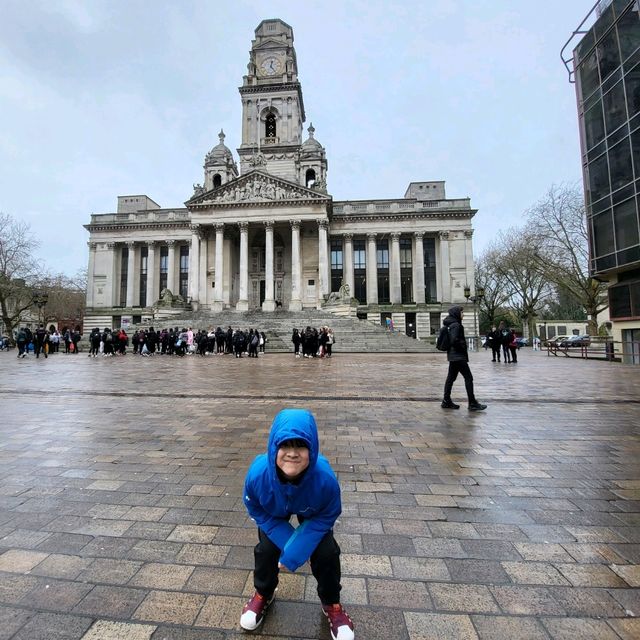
{"type": "Point", "coordinates": [255, 341]}
{"type": "Point", "coordinates": [443, 342]}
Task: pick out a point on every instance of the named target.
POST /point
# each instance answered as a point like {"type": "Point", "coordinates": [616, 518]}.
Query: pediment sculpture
{"type": "Point", "coordinates": [260, 188]}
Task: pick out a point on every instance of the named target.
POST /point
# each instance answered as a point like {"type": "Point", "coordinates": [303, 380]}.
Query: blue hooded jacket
{"type": "Point", "coordinates": [271, 502]}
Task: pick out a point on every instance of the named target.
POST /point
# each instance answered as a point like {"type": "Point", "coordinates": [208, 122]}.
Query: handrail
{"type": "Point", "coordinates": [573, 35]}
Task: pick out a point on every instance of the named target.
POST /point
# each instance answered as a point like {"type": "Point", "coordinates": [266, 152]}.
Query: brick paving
{"type": "Point", "coordinates": [121, 480]}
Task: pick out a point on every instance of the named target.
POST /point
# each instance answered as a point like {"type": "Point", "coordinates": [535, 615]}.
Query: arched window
{"type": "Point", "coordinates": [217, 181]}
{"type": "Point", "coordinates": [310, 178]}
{"type": "Point", "coordinates": [270, 126]}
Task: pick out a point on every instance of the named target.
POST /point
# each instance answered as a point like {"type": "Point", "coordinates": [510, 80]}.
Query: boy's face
{"type": "Point", "coordinates": [292, 459]}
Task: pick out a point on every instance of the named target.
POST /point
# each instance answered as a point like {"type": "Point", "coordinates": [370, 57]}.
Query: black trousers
{"type": "Point", "coordinates": [325, 566]}
{"type": "Point", "coordinates": [454, 369]}
{"type": "Point", "coordinates": [505, 353]}
{"type": "Point", "coordinates": [496, 352]}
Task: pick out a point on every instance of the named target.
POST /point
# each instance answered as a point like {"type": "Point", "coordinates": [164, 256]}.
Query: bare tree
{"type": "Point", "coordinates": [19, 271]}
{"type": "Point", "coordinates": [562, 253]}
{"type": "Point", "coordinates": [65, 297]}
{"type": "Point", "coordinates": [513, 258]}
{"type": "Point", "coordinates": [497, 290]}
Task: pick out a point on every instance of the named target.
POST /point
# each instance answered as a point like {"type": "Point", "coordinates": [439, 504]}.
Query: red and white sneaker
{"type": "Point", "coordinates": [254, 611]}
{"type": "Point", "coordinates": [340, 624]}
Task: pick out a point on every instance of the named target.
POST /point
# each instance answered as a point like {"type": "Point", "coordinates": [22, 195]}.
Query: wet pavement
{"type": "Point", "coordinates": [121, 481]}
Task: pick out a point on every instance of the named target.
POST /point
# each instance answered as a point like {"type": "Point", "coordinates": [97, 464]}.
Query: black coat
{"type": "Point", "coordinates": [458, 351]}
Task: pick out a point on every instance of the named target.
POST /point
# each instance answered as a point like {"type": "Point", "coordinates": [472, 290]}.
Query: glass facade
{"type": "Point", "coordinates": [336, 264]}
{"type": "Point", "coordinates": [124, 271]}
{"type": "Point", "coordinates": [360, 270]}
{"type": "Point", "coordinates": [382, 259]}
{"type": "Point", "coordinates": [144, 259]}
{"type": "Point", "coordinates": [607, 64]}
{"type": "Point", "coordinates": [184, 271]}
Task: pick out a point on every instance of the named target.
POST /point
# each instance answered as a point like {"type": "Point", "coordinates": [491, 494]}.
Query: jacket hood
{"type": "Point", "coordinates": [455, 315]}
{"type": "Point", "coordinates": [290, 424]}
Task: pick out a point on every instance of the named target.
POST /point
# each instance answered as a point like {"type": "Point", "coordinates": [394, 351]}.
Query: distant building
{"type": "Point", "coordinates": [268, 235]}
{"type": "Point", "coordinates": [606, 68]}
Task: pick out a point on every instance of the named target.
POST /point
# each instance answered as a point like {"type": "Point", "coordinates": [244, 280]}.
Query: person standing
{"type": "Point", "coordinates": [513, 347]}
{"type": "Point", "coordinates": [458, 358]}
{"type": "Point", "coordinates": [21, 339]}
{"type": "Point", "coordinates": [40, 342]}
{"type": "Point", "coordinates": [505, 339]}
{"type": "Point", "coordinates": [496, 343]}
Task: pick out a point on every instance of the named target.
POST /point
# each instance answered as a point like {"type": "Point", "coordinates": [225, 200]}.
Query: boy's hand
{"type": "Point", "coordinates": [281, 566]}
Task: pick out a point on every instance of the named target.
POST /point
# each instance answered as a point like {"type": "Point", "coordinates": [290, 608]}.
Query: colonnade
{"type": "Point", "coordinates": [199, 261]}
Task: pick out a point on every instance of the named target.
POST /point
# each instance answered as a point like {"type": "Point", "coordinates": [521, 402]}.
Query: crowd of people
{"type": "Point", "coordinates": [45, 341]}
{"type": "Point", "coordinates": [312, 342]}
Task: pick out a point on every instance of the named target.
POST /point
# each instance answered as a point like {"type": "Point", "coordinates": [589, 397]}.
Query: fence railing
{"type": "Point", "coordinates": [627, 352]}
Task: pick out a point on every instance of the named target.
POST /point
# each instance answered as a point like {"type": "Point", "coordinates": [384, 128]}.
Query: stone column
{"type": "Point", "coordinates": [445, 269]}
{"type": "Point", "coordinates": [152, 293]}
{"type": "Point", "coordinates": [218, 303]}
{"type": "Point", "coordinates": [395, 283]}
{"type": "Point", "coordinates": [468, 260]}
{"type": "Point", "coordinates": [269, 303]}
{"type": "Point", "coordinates": [372, 269]}
{"type": "Point", "coordinates": [90, 272]}
{"type": "Point", "coordinates": [323, 261]}
{"type": "Point", "coordinates": [296, 294]}
{"type": "Point", "coordinates": [243, 302]}
{"type": "Point", "coordinates": [418, 269]}
{"type": "Point", "coordinates": [347, 266]}
{"type": "Point", "coordinates": [204, 259]}
{"type": "Point", "coordinates": [131, 268]}
{"type": "Point", "coordinates": [194, 264]}
{"type": "Point", "coordinates": [171, 266]}
{"type": "Point", "coordinates": [112, 284]}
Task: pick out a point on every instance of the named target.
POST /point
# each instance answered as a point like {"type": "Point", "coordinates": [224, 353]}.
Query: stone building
{"type": "Point", "coordinates": [269, 235]}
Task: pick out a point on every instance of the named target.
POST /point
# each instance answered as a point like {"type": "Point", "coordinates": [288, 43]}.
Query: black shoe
{"type": "Point", "coordinates": [448, 404]}
{"type": "Point", "coordinates": [493, 360]}
{"type": "Point", "coordinates": [477, 406]}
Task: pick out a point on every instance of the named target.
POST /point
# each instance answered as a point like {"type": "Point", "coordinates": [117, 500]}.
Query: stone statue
{"type": "Point", "coordinates": [344, 292]}
{"type": "Point", "coordinates": [168, 299]}
{"type": "Point", "coordinates": [198, 189]}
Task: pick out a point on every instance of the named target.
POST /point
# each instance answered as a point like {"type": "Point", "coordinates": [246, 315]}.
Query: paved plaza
{"type": "Point", "coordinates": [121, 514]}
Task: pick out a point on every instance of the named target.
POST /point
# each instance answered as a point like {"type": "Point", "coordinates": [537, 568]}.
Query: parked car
{"type": "Point", "coordinates": [576, 341]}
{"type": "Point", "coordinates": [522, 342]}
{"type": "Point", "coordinates": [556, 342]}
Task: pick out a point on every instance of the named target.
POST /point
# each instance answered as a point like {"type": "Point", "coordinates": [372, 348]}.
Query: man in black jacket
{"type": "Point", "coordinates": [458, 358]}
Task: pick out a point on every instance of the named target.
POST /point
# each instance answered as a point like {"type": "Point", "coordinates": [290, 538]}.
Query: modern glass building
{"type": "Point", "coordinates": [606, 68]}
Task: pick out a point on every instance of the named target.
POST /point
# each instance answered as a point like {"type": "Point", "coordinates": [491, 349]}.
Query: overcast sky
{"type": "Point", "coordinates": [107, 98]}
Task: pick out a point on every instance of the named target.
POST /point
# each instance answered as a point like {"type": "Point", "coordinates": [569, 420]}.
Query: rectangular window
{"type": "Point", "coordinates": [184, 271]}
{"type": "Point", "coordinates": [608, 55]}
{"type": "Point", "coordinates": [625, 221]}
{"type": "Point", "coordinates": [589, 80]}
{"type": "Point", "coordinates": [382, 259]}
{"type": "Point", "coordinates": [164, 267]}
{"type": "Point", "coordinates": [359, 254]}
{"type": "Point", "coordinates": [406, 270]}
{"type": "Point", "coordinates": [599, 178]}
{"type": "Point", "coordinates": [336, 264]}
{"type": "Point", "coordinates": [594, 125]}
{"type": "Point", "coordinates": [620, 164]}
{"type": "Point", "coordinates": [430, 270]}
{"type": "Point", "coordinates": [628, 26]}
{"type": "Point", "coordinates": [382, 254]}
{"type": "Point", "coordinates": [632, 88]}
{"type": "Point", "coordinates": [144, 260]}
{"type": "Point", "coordinates": [124, 270]}
{"type": "Point", "coordinates": [603, 233]}
{"type": "Point", "coordinates": [614, 111]}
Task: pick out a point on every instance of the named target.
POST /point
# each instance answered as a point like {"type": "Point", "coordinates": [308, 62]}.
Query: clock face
{"type": "Point", "coordinates": [271, 66]}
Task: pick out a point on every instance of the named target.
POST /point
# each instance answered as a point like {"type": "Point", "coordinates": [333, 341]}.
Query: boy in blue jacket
{"type": "Point", "coordinates": [293, 478]}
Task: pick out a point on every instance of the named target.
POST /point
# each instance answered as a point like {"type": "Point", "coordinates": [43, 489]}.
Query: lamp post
{"type": "Point", "coordinates": [475, 299]}
{"type": "Point", "coordinates": [40, 299]}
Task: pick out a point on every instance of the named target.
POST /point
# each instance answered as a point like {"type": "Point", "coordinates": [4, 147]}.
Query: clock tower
{"type": "Point", "coordinates": [272, 106]}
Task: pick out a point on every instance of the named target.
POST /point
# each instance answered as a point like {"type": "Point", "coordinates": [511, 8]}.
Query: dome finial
{"type": "Point", "coordinates": [221, 136]}
{"type": "Point", "coordinates": [311, 130]}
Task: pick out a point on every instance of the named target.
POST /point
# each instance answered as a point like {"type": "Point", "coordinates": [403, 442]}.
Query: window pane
{"type": "Point", "coordinates": [629, 32]}
{"type": "Point", "coordinates": [632, 85]}
{"type": "Point", "coordinates": [589, 75]}
{"type": "Point", "coordinates": [620, 164]}
{"type": "Point", "coordinates": [603, 233]}
{"type": "Point", "coordinates": [594, 125]}
{"type": "Point", "coordinates": [614, 111]}
{"type": "Point", "coordinates": [599, 178]}
{"type": "Point", "coordinates": [625, 220]}
{"type": "Point", "coordinates": [608, 54]}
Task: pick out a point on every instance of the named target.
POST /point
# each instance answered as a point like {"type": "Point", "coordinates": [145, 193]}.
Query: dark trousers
{"type": "Point", "coordinates": [454, 369]}
{"type": "Point", "coordinates": [325, 566]}
{"type": "Point", "coordinates": [514, 354]}
{"type": "Point", "coordinates": [505, 353]}
{"type": "Point", "coordinates": [496, 353]}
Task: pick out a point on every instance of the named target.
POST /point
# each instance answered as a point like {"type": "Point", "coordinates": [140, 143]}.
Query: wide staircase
{"type": "Point", "coordinates": [351, 334]}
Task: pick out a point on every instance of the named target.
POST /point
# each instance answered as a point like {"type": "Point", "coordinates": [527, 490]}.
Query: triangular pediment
{"type": "Point", "coordinates": [272, 43]}
{"type": "Point", "coordinates": [257, 187]}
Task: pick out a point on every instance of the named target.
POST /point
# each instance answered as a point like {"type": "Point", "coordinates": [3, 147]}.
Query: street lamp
{"type": "Point", "coordinates": [475, 299]}
{"type": "Point", "coordinates": [40, 299]}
